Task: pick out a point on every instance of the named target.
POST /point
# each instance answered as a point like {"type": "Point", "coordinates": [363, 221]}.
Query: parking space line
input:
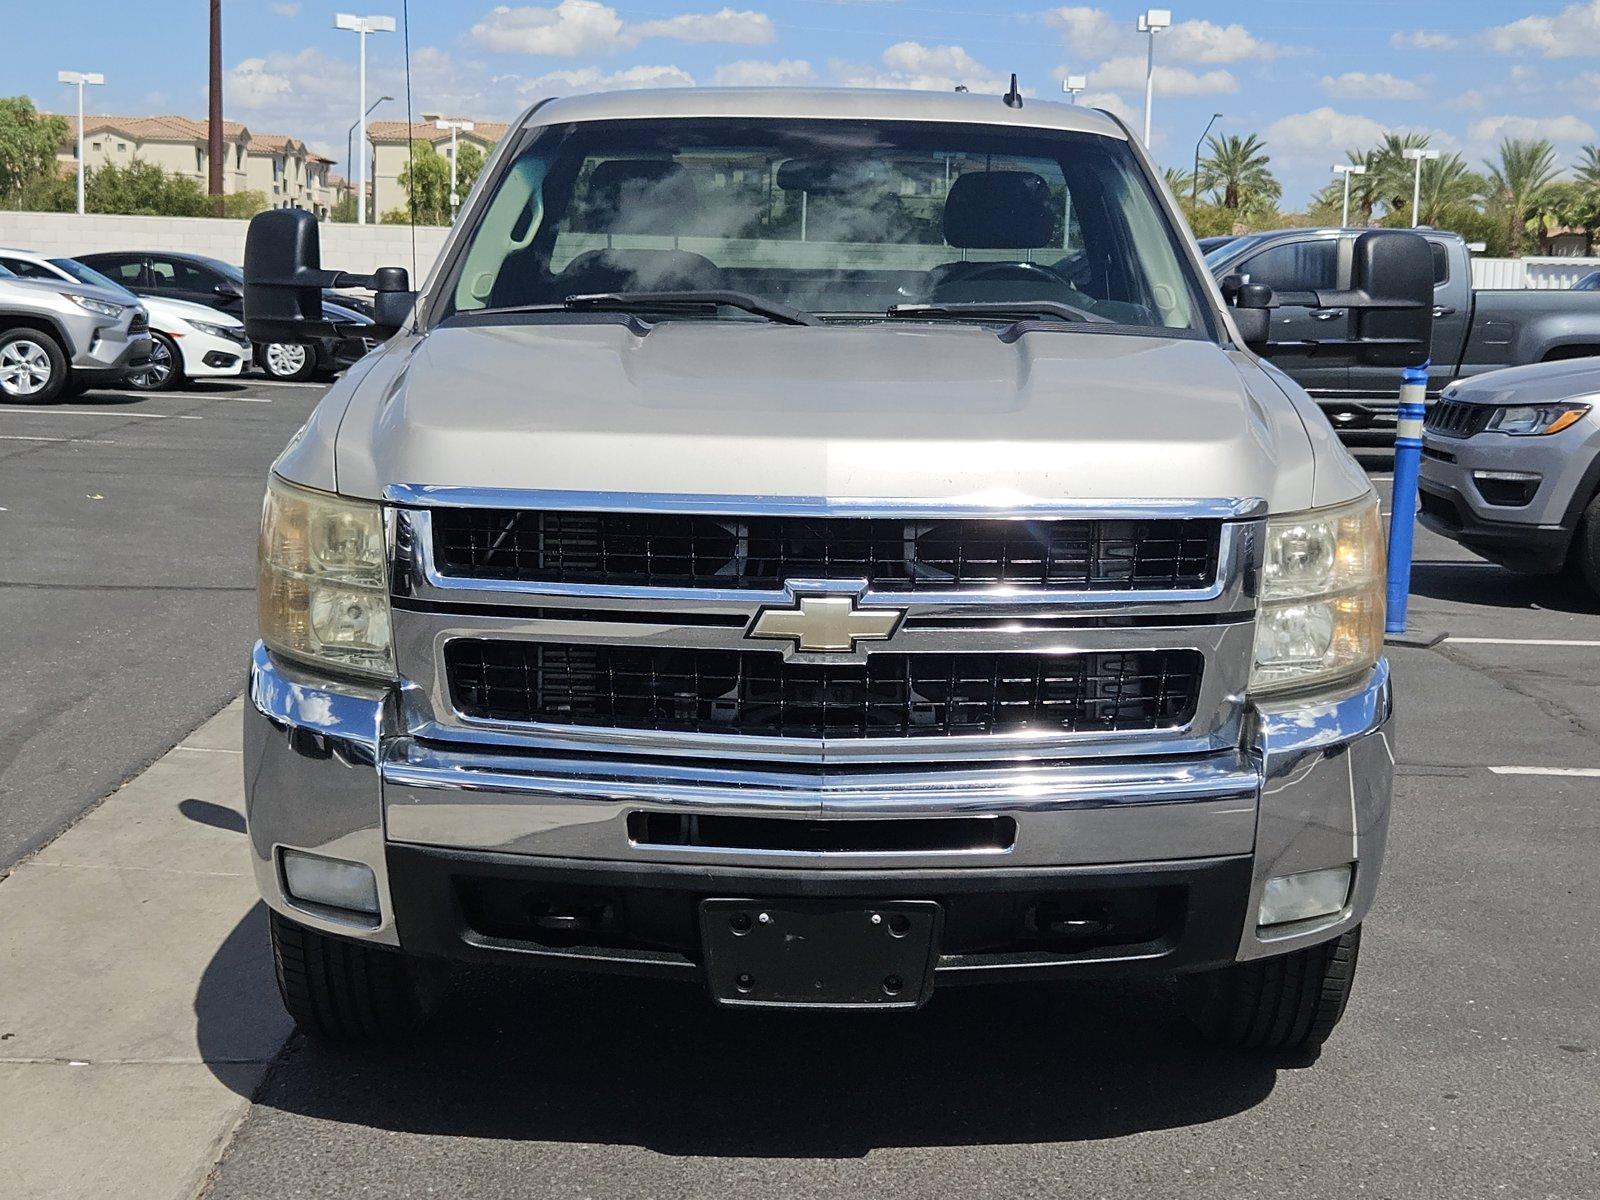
{"type": "Point", "coordinates": [1483, 641]}
{"type": "Point", "coordinates": [23, 437]}
{"type": "Point", "coordinates": [110, 412]}
{"type": "Point", "coordinates": [1578, 772]}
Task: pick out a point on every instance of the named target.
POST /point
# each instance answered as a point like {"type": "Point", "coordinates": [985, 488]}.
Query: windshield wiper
{"type": "Point", "coordinates": [690, 301]}
{"type": "Point", "coordinates": [1001, 309]}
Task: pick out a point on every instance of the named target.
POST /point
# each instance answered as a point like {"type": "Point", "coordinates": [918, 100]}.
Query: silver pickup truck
{"type": "Point", "coordinates": [826, 546]}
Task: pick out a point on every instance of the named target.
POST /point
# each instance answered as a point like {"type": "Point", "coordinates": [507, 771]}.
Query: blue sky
{"type": "Point", "coordinates": [1311, 76]}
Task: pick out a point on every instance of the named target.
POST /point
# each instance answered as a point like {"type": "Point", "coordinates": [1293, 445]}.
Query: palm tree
{"type": "Point", "coordinates": [1238, 170]}
{"type": "Point", "coordinates": [1390, 172]}
{"type": "Point", "coordinates": [1586, 178]}
{"type": "Point", "coordinates": [1447, 184]}
{"type": "Point", "coordinates": [1518, 182]}
{"type": "Point", "coordinates": [1180, 181]}
{"type": "Point", "coordinates": [1366, 190]}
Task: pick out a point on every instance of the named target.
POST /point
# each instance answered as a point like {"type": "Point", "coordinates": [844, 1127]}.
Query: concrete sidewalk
{"type": "Point", "coordinates": [137, 1008]}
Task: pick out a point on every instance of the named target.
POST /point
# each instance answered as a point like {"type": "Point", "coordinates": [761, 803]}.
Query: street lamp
{"type": "Point", "coordinates": [454, 127]}
{"type": "Point", "coordinates": [80, 78]}
{"type": "Point", "coordinates": [1194, 180]}
{"type": "Point", "coordinates": [1152, 21]}
{"type": "Point", "coordinates": [361, 26]}
{"type": "Point", "coordinates": [1418, 155]}
{"type": "Point", "coordinates": [1347, 170]}
{"type": "Point", "coordinates": [1072, 85]}
{"type": "Point", "coordinates": [350, 134]}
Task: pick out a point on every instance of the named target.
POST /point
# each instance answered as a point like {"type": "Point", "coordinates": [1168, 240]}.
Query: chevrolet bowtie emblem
{"type": "Point", "coordinates": [826, 624]}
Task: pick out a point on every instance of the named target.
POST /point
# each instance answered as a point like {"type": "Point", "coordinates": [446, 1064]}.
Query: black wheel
{"type": "Point", "coordinates": [1286, 1003]}
{"type": "Point", "coordinates": [289, 362]}
{"type": "Point", "coordinates": [1583, 560]}
{"type": "Point", "coordinates": [33, 369]}
{"type": "Point", "coordinates": [164, 371]}
{"type": "Point", "coordinates": [345, 991]}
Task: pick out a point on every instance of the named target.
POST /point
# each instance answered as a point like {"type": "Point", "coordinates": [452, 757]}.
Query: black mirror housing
{"type": "Point", "coordinates": [1252, 309]}
{"type": "Point", "coordinates": [283, 281]}
{"type": "Point", "coordinates": [1395, 271]}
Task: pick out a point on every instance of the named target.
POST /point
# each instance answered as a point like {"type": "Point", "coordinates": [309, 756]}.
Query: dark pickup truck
{"type": "Point", "coordinates": [1473, 330]}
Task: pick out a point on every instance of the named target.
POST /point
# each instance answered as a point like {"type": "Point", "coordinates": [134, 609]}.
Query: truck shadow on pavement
{"type": "Point", "coordinates": [1483, 584]}
{"type": "Point", "coordinates": [572, 1059]}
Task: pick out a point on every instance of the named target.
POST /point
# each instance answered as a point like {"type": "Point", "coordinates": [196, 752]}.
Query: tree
{"type": "Point", "coordinates": [29, 140]}
{"type": "Point", "coordinates": [344, 208]}
{"type": "Point", "coordinates": [243, 205]}
{"type": "Point", "coordinates": [426, 182]}
{"type": "Point", "coordinates": [1586, 178]}
{"type": "Point", "coordinates": [1518, 183]}
{"type": "Point", "coordinates": [1390, 174]}
{"type": "Point", "coordinates": [1237, 172]}
{"type": "Point", "coordinates": [1447, 185]}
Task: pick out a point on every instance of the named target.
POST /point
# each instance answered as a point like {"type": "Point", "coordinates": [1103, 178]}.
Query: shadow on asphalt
{"type": "Point", "coordinates": [1485, 585]}
{"type": "Point", "coordinates": [566, 1058]}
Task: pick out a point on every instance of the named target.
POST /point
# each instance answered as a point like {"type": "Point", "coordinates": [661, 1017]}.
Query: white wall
{"type": "Point", "coordinates": [359, 248]}
{"type": "Point", "coordinates": [1544, 273]}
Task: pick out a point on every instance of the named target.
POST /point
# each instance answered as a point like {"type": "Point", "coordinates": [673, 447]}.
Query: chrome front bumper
{"type": "Point", "coordinates": [330, 768]}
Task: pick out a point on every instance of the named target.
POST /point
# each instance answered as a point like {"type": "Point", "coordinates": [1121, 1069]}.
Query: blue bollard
{"type": "Point", "coordinates": [1403, 506]}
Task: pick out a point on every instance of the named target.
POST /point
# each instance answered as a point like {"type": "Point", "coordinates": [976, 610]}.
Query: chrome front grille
{"type": "Point", "coordinates": [634, 627]}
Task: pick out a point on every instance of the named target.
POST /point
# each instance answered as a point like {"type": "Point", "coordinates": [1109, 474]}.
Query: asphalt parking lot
{"type": "Point", "coordinates": [1466, 1067]}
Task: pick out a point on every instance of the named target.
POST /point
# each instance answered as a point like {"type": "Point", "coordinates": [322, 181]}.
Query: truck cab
{"type": "Point", "coordinates": [822, 546]}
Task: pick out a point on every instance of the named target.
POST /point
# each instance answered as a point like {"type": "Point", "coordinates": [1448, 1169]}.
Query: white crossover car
{"type": "Point", "coordinates": [188, 340]}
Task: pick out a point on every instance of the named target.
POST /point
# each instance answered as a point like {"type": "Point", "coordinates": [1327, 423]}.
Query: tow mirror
{"type": "Point", "coordinates": [283, 282]}
{"type": "Point", "coordinates": [1252, 309]}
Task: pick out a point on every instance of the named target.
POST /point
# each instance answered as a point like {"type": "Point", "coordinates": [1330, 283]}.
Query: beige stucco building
{"type": "Point", "coordinates": [277, 165]}
{"type": "Point", "coordinates": [390, 150]}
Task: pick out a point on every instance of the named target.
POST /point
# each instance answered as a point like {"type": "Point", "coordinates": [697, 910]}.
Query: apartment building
{"type": "Point", "coordinates": [390, 150]}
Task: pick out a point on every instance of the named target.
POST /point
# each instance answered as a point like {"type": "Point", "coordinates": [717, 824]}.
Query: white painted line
{"type": "Point", "coordinates": [110, 412]}
{"type": "Point", "coordinates": [1577, 772]}
{"type": "Point", "coordinates": [22, 437]}
{"type": "Point", "coordinates": [1482, 641]}
{"type": "Point", "coordinates": [207, 750]}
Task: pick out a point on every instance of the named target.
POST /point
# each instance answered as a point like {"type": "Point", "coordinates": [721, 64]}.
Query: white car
{"type": "Point", "coordinates": [188, 341]}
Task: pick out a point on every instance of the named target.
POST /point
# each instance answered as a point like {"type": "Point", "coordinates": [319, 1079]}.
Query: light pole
{"type": "Point", "coordinates": [454, 127]}
{"type": "Point", "coordinates": [350, 134]}
{"type": "Point", "coordinates": [1347, 170]}
{"type": "Point", "coordinates": [1072, 85]}
{"type": "Point", "coordinates": [80, 78]}
{"type": "Point", "coordinates": [1194, 180]}
{"type": "Point", "coordinates": [361, 26]}
{"type": "Point", "coordinates": [1151, 22]}
{"type": "Point", "coordinates": [1418, 155]}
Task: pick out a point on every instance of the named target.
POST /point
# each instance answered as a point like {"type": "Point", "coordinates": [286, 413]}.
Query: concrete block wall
{"type": "Point", "coordinates": [360, 248]}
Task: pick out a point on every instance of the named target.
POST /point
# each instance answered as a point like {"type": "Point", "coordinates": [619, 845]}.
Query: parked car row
{"type": "Point", "coordinates": [147, 320]}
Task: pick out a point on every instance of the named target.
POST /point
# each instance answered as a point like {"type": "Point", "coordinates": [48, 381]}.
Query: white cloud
{"type": "Point", "coordinates": [751, 72]}
{"type": "Point", "coordinates": [1129, 72]}
{"type": "Point", "coordinates": [1203, 42]}
{"type": "Point", "coordinates": [1569, 34]}
{"type": "Point", "coordinates": [571, 28]}
{"type": "Point", "coordinates": [1468, 101]}
{"type": "Point", "coordinates": [253, 84]}
{"type": "Point", "coordinates": [593, 79]}
{"type": "Point", "coordinates": [1423, 39]}
{"type": "Point", "coordinates": [1323, 133]}
{"type": "Point", "coordinates": [1088, 32]}
{"type": "Point", "coordinates": [286, 10]}
{"type": "Point", "coordinates": [727, 25]}
{"type": "Point", "coordinates": [922, 68]}
{"type": "Point", "coordinates": [914, 57]}
{"type": "Point", "coordinates": [1359, 85]}
{"type": "Point", "coordinates": [1492, 130]}
{"type": "Point", "coordinates": [1112, 103]}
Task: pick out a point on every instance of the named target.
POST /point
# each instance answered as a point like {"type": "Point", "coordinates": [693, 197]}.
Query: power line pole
{"type": "Point", "coordinates": [214, 139]}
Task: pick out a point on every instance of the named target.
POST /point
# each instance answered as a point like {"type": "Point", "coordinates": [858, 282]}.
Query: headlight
{"type": "Point", "coordinates": [95, 306]}
{"type": "Point", "coordinates": [1532, 420]}
{"type": "Point", "coordinates": [1321, 614]}
{"type": "Point", "coordinates": [321, 582]}
{"type": "Point", "coordinates": [231, 333]}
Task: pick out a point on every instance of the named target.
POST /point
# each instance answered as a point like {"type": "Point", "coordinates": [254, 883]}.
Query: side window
{"type": "Point", "coordinates": [26, 270]}
{"type": "Point", "coordinates": [177, 275]}
{"type": "Point", "coordinates": [1296, 266]}
{"type": "Point", "coordinates": [129, 272]}
{"type": "Point", "coordinates": [1441, 264]}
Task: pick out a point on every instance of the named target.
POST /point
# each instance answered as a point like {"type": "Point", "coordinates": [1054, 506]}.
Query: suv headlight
{"type": "Point", "coordinates": [1534, 420]}
{"type": "Point", "coordinates": [321, 580]}
{"type": "Point", "coordinates": [1321, 614]}
{"type": "Point", "coordinates": [94, 306]}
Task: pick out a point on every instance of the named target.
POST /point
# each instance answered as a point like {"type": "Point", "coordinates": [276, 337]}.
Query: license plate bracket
{"type": "Point", "coordinates": [816, 954]}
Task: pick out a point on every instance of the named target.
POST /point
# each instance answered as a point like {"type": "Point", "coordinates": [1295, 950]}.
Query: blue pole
{"type": "Point", "coordinates": [1403, 506]}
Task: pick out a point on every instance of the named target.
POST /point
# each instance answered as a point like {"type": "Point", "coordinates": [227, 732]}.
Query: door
{"type": "Point", "coordinates": [185, 279]}
{"type": "Point", "coordinates": [126, 269]}
{"type": "Point", "coordinates": [1305, 265]}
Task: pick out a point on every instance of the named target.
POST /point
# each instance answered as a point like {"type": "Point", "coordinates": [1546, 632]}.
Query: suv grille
{"type": "Point", "coordinates": [757, 693]}
{"type": "Point", "coordinates": [1452, 418]}
{"type": "Point", "coordinates": [669, 550]}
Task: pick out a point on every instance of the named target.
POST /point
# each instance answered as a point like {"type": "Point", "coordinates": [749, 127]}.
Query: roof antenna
{"type": "Point", "coordinates": [1013, 98]}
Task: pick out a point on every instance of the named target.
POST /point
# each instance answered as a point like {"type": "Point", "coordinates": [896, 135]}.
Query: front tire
{"type": "Point", "coordinates": [33, 367]}
{"type": "Point", "coordinates": [346, 991]}
{"type": "Point", "coordinates": [164, 371]}
{"type": "Point", "coordinates": [1287, 1003]}
{"type": "Point", "coordinates": [287, 362]}
{"type": "Point", "coordinates": [1583, 560]}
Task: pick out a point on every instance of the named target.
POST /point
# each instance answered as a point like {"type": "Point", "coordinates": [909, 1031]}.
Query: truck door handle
{"type": "Point", "coordinates": [1327, 314]}
{"type": "Point", "coordinates": [1443, 310]}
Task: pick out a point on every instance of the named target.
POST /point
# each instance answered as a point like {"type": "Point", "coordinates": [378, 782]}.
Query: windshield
{"type": "Point", "coordinates": [839, 219]}
{"type": "Point", "coordinates": [1232, 248]}
{"type": "Point", "coordinates": [90, 276]}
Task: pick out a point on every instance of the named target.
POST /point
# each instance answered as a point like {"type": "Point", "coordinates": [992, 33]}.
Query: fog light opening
{"type": "Point", "coordinates": [1305, 896]}
{"type": "Point", "coordinates": [330, 883]}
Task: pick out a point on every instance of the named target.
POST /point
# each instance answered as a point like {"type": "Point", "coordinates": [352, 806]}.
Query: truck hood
{"type": "Point", "coordinates": [873, 411]}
